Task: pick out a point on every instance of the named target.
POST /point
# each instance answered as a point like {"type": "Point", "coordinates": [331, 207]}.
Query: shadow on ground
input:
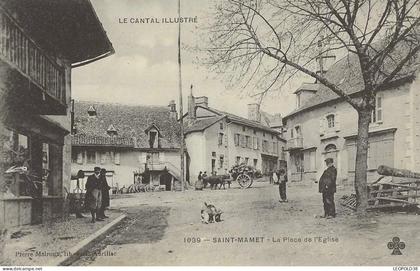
{"type": "Point", "coordinates": [142, 225]}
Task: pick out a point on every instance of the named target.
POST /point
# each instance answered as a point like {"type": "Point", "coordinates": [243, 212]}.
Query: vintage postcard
{"type": "Point", "coordinates": [210, 133]}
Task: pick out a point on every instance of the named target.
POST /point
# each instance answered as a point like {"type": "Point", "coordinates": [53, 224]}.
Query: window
{"type": "Point", "coordinates": [263, 134]}
{"type": "Point", "coordinates": [213, 154]}
{"type": "Point", "coordinates": [255, 143]}
{"type": "Point", "coordinates": [91, 157]}
{"type": "Point", "coordinates": [74, 157]}
{"type": "Point", "coordinates": [298, 131]}
{"type": "Point", "coordinates": [238, 160]}
{"type": "Point", "coordinates": [221, 125]}
{"type": "Point", "coordinates": [330, 121]}
{"type": "Point", "coordinates": [255, 162]}
{"type": "Point", "coordinates": [220, 139]}
{"type": "Point", "coordinates": [265, 146]}
{"type": "Point", "coordinates": [255, 132]}
{"type": "Point", "coordinates": [291, 133]}
{"type": "Point", "coordinates": [153, 139]}
{"type": "Point", "coordinates": [221, 161]}
{"type": "Point", "coordinates": [275, 147]}
{"type": "Point", "coordinates": [243, 141]}
{"type": "Point", "coordinates": [236, 139]}
{"type": "Point", "coordinates": [248, 142]}
{"type": "Point", "coordinates": [104, 157]}
{"type": "Point", "coordinates": [246, 160]}
{"type": "Point", "coordinates": [243, 129]}
{"type": "Point", "coordinates": [117, 158]}
{"type": "Point", "coordinates": [377, 112]}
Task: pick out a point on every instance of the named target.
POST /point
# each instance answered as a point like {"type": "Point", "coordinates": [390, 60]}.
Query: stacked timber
{"type": "Point", "coordinates": [400, 194]}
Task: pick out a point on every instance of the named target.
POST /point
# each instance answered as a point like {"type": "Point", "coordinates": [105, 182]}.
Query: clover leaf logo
{"type": "Point", "coordinates": [396, 245]}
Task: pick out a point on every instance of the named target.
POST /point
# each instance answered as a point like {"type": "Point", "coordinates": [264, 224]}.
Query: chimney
{"type": "Point", "coordinates": [325, 57]}
{"type": "Point", "coordinates": [254, 112]}
{"type": "Point", "coordinates": [202, 101]}
{"type": "Point", "coordinates": [191, 105]}
{"type": "Point", "coordinates": [172, 112]}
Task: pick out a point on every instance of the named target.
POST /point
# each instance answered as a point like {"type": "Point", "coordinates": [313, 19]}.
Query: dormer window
{"type": "Point", "coordinates": [91, 111]}
{"type": "Point", "coordinates": [152, 139]}
{"type": "Point", "coordinates": [154, 134]}
{"type": "Point", "coordinates": [111, 131]}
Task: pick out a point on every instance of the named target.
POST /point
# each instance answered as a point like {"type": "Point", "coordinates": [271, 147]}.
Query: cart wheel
{"type": "Point", "coordinates": [244, 180]}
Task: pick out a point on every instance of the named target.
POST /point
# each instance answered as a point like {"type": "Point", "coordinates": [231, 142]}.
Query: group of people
{"type": "Point", "coordinates": [326, 186]}
{"type": "Point", "coordinates": [97, 194]}
{"type": "Point", "coordinates": [199, 185]}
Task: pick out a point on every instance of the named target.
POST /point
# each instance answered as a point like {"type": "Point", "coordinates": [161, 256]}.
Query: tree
{"type": "Point", "coordinates": [265, 43]}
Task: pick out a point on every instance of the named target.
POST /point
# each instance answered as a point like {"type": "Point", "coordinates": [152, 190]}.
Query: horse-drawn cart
{"type": "Point", "coordinates": [243, 174]}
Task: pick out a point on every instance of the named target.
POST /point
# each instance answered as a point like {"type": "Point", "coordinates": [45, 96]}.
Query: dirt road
{"type": "Point", "coordinates": [164, 228]}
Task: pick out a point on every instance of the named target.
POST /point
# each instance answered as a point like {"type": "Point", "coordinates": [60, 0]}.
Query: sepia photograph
{"type": "Point", "coordinates": [209, 133]}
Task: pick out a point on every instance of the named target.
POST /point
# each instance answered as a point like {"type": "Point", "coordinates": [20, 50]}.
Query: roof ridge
{"type": "Point", "coordinates": [116, 103]}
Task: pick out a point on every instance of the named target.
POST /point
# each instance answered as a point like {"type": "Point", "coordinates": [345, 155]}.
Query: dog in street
{"type": "Point", "coordinates": [210, 214]}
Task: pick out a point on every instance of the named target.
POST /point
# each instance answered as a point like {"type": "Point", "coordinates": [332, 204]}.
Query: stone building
{"type": "Point", "coordinates": [217, 140]}
{"type": "Point", "coordinates": [323, 125]}
{"type": "Point", "coordinates": [127, 140]}
{"type": "Point", "coordinates": [40, 43]}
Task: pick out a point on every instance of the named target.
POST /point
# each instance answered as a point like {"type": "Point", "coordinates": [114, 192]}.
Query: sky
{"type": "Point", "coordinates": [144, 68]}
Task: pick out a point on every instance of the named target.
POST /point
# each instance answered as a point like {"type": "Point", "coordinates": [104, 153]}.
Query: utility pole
{"type": "Point", "coordinates": [181, 111]}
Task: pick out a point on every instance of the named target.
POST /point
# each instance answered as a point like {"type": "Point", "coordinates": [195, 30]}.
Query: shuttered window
{"type": "Point", "coordinates": [117, 158]}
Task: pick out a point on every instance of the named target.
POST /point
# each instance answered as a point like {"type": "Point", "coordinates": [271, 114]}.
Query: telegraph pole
{"type": "Point", "coordinates": [181, 111]}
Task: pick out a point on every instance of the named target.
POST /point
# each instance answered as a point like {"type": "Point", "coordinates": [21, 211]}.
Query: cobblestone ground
{"type": "Point", "coordinates": [164, 228]}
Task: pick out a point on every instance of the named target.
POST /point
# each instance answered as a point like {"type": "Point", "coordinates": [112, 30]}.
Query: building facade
{"type": "Point", "coordinates": [127, 141]}
{"type": "Point", "coordinates": [36, 59]}
{"type": "Point", "coordinates": [217, 140]}
{"type": "Point", "coordinates": [324, 126]}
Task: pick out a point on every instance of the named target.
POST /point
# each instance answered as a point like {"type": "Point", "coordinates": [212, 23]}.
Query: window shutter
{"type": "Point", "coordinates": [337, 122]}
{"type": "Point", "coordinates": [226, 140]}
{"type": "Point", "coordinates": [80, 158]}
{"type": "Point", "coordinates": [97, 157]}
{"type": "Point", "coordinates": [162, 157]}
{"type": "Point", "coordinates": [103, 155]}
{"type": "Point", "coordinates": [321, 126]}
{"type": "Point", "coordinates": [143, 158]}
{"type": "Point", "coordinates": [117, 158]}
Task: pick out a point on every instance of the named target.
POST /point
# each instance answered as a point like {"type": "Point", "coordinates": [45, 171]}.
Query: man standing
{"type": "Point", "coordinates": [327, 186]}
{"type": "Point", "coordinates": [282, 180]}
{"type": "Point", "coordinates": [105, 194]}
{"type": "Point", "coordinates": [93, 198]}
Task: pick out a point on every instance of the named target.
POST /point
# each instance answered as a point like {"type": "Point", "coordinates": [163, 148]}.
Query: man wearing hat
{"type": "Point", "coordinates": [327, 186]}
{"type": "Point", "coordinates": [93, 198]}
{"type": "Point", "coordinates": [105, 194]}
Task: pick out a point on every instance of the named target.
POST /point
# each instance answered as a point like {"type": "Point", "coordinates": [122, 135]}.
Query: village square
{"type": "Point", "coordinates": [105, 166]}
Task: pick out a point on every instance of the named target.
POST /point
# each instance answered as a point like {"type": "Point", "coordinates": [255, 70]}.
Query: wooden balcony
{"type": "Point", "coordinates": [28, 61]}
{"type": "Point", "coordinates": [294, 143]}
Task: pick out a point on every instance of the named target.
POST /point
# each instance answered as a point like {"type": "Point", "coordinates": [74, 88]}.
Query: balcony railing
{"type": "Point", "coordinates": [295, 143]}
{"type": "Point", "coordinates": [19, 50]}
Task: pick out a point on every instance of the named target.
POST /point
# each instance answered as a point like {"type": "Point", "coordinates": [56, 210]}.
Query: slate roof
{"type": "Point", "coordinates": [201, 124]}
{"type": "Point", "coordinates": [346, 73]}
{"type": "Point", "coordinates": [130, 121]}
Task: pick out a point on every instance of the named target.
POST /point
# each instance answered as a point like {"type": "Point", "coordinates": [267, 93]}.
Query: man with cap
{"type": "Point", "coordinates": [93, 198]}
{"type": "Point", "coordinates": [327, 186]}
